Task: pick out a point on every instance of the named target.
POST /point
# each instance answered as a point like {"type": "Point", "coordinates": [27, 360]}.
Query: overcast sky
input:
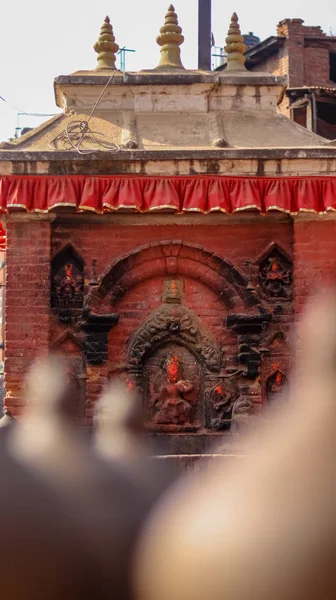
{"type": "Point", "coordinates": [40, 40]}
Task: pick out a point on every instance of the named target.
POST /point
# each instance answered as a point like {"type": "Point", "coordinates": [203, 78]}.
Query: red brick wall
{"type": "Point", "coordinates": [32, 330]}
{"type": "Point", "coordinates": [316, 66]}
{"type": "Point", "coordinates": [314, 257]}
{"type": "Point", "coordinates": [106, 243]}
{"type": "Point", "coordinates": [304, 57]}
{"type": "Point", "coordinates": [27, 302]}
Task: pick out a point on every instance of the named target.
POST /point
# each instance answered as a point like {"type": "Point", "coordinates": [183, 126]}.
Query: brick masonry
{"type": "Point", "coordinates": [27, 322]}
{"type": "Point", "coordinates": [303, 57]}
{"type": "Point", "coordinates": [32, 329]}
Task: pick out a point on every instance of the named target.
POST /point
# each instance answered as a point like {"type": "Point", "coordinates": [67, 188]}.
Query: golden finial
{"type": "Point", "coordinates": [235, 47]}
{"type": "Point", "coordinates": [170, 39]}
{"type": "Point", "coordinates": [106, 47]}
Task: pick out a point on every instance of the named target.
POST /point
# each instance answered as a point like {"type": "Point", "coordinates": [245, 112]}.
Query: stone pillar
{"type": "Point", "coordinates": [27, 311]}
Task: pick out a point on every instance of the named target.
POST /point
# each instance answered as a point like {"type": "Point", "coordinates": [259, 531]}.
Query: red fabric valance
{"type": "Point", "coordinates": [196, 193]}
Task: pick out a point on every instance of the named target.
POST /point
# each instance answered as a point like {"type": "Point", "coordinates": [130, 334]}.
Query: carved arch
{"type": "Point", "coordinates": [68, 252]}
{"type": "Point", "coordinates": [172, 258]}
{"type": "Point", "coordinates": [173, 324]}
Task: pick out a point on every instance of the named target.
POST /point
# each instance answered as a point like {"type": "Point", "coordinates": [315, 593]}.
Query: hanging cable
{"type": "Point", "coordinates": [23, 112]}
{"type": "Point", "coordinates": [77, 131]}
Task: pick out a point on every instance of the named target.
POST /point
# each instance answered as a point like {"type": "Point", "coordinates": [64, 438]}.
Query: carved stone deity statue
{"type": "Point", "coordinates": [242, 411]}
{"type": "Point", "coordinates": [275, 278]}
{"type": "Point", "coordinates": [171, 406]}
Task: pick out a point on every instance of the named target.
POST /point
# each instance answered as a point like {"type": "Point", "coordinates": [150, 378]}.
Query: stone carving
{"type": "Point", "coordinates": [170, 40]}
{"type": "Point", "coordinates": [67, 283]}
{"type": "Point", "coordinates": [172, 390]}
{"type": "Point", "coordinates": [169, 323]}
{"type": "Point", "coordinates": [275, 385]}
{"type": "Point", "coordinates": [169, 405]}
{"type": "Point", "coordinates": [275, 276]}
{"type": "Point", "coordinates": [106, 47]}
{"type": "Point", "coordinates": [242, 411]}
{"type": "Point", "coordinates": [221, 401]}
{"type": "Point", "coordinates": [172, 291]}
{"type": "Point", "coordinates": [235, 47]}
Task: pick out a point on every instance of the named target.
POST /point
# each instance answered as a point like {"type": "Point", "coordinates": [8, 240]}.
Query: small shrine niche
{"type": "Point", "coordinates": [172, 375]}
{"type": "Point", "coordinates": [275, 385]}
{"type": "Point", "coordinates": [275, 275]}
{"type": "Point", "coordinates": [172, 291]}
{"type": "Point", "coordinates": [172, 360]}
{"type": "Point", "coordinates": [67, 283]}
{"type": "Point", "coordinates": [222, 397]}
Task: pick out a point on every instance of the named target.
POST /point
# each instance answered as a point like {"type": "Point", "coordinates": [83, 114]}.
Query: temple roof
{"type": "Point", "coordinates": [166, 109]}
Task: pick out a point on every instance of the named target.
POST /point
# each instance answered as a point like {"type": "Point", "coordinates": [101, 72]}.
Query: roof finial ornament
{"type": "Point", "coordinates": [235, 47]}
{"type": "Point", "coordinates": [106, 47]}
{"type": "Point", "coordinates": [170, 39]}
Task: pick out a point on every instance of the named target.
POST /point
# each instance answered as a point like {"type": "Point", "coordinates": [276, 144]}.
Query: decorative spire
{"type": "Point", "coordinates": [170, 39]}
{"type": "Point", "coordinates": [106, 47]}
{"type": "Point", "coordinates": [235, 47]}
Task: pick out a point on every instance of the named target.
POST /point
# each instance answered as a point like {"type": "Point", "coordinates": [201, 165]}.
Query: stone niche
{"type": "Point", "coordinates": [196, 383]}
{"type": "Point", "coordinates": [173, 393]}
{"type": "Point", "coordinates": [179, 371]}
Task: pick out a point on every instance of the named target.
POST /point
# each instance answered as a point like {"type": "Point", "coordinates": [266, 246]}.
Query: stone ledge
{"type": "Point", "coordinates": [152, 77]}
{"type": "Point", "coordinates": [321, 152]}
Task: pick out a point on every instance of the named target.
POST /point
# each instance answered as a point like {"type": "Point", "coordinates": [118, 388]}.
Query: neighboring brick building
{"type": "Point", "coordinates": [169, 238]}
{"type": "Point", "coordinates": [307, 56]}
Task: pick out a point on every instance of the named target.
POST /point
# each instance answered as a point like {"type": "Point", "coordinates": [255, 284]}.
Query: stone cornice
{"type": "Point", "coordinates": [25, 157]}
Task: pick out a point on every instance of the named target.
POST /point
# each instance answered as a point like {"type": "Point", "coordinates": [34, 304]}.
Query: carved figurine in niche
{"type": "Point", "coordinates": [68, 287]}
{"type": "Point", "coordinates": [275, 276]}
{"type": "Point", "coordinates": [222, 400]}
{"type": "Point", "coordinates": [171, 406]}
{"type": "Point", "coordinates": [67, 284]}
{"type": "Point", "coordinates": [275, 386]}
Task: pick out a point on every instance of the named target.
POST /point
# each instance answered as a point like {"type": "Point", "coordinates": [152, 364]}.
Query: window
{"type": "Point", "coordinates": [332, 66]}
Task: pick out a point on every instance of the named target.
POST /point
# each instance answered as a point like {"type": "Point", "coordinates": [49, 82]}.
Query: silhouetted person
{"type": "Point", "coordinates": [43, 552]}
{"type": "Point", "coordinates": [265, 527]}
{"type": "Point", "coordinates": [109, 505]}
{"type": "Point", "coordinates": [120, 438]}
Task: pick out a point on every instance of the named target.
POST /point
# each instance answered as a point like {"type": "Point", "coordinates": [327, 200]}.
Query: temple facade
{"type": "Point", "coordinates": [166, 228]}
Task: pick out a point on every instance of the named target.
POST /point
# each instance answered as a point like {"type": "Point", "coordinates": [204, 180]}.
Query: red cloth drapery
{"type": "Point", "coordinates": [198, 193]}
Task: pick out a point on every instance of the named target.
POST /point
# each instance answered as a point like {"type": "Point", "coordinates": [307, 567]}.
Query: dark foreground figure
{"type": "Point", "coordinates": [80, 521]}
{"type": "Point", "coordinates": [69, 517]}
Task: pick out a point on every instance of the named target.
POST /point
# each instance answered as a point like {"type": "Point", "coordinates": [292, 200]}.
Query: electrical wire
{"type": "Point", "coordinates": [23, 112]}
{"type": "Point", "coordinates": [78, 130]}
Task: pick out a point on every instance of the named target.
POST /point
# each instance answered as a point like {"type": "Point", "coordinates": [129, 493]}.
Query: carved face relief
{"type": "Point", "coordinates": [172, 390]}
{"type": "Point", "coordinates": [275, 276]}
